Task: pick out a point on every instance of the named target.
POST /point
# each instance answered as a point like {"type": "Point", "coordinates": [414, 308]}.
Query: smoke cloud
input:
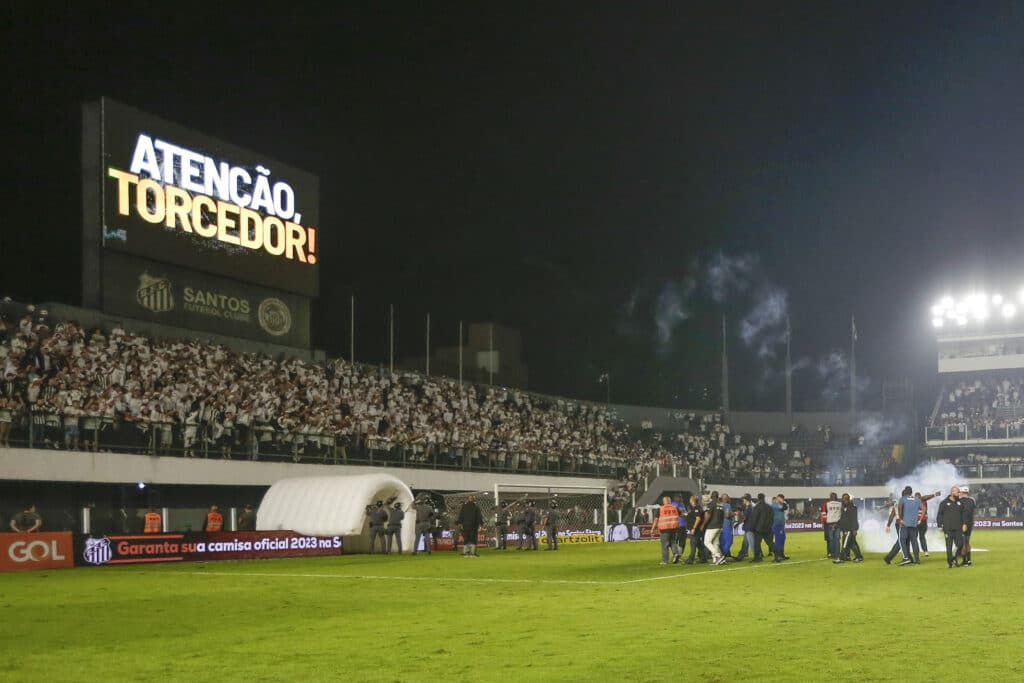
{"type": "Point", "coordinates": [882, 430]}
{"type": "Point", "coordinates": [927, 478]}
{"type": "Point", "coordinates": [722, 279]}
{"type": "Point", "coordinates": [725, 275]}
{"type": "Point", "coordinates": [764, 327]}
{"type": "Point", "coordinates": [735, 283]}
{"type": "Point", "coordinates": [671, 308]}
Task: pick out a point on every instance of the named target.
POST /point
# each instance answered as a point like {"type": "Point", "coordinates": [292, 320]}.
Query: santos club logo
{"type": "Point", "coordinates": [97, 551]}
{"type": "Point", "coordinates": [274, 317]}
{"type": "Point", "coordinates": [155, 293]}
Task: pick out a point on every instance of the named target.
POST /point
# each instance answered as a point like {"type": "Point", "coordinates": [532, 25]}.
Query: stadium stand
{"type": "Point", "coordinates": [64, 387]}
{"type": "Point", "coordinates": [982, 407]}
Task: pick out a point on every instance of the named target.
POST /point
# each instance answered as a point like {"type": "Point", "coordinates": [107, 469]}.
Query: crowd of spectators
{"type": "Point", "coordinates": [1000, 500]}
{"type": "Point", "coordinates": [981, 407]}
{"type": "Point", "coordinates": [65, 387]}
{"type": "Point", "coordinates": [108, 390]}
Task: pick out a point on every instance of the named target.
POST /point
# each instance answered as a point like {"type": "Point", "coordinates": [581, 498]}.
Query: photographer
{"type": "Point", "coordinates": [394, 529]}
{"type": "Point", "coordinates": [378, 517]}
{"type": "Point", "coordinates": [424, 521]}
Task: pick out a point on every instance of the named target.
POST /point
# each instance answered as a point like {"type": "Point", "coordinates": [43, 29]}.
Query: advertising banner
{"type": "Point", "coordinates": [201, 547]}
{"type": "Point", "coordinates": [486, 538]}
{"type": "Point", "coordinates": [44, 550]}
{"type": "Point", "coordinates": [998, 523]}
{"type": "Point", "coordinates": [145, 290]}
{"type": "Point", "coordinates": [178, 196]}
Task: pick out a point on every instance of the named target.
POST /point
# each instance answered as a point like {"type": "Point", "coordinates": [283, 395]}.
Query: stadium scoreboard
{"type": "Point", "coordinates": [189, 230]}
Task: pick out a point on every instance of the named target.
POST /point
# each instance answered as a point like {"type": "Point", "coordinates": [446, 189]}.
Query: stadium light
{"type": "Point", "coordinates": [975, 307]}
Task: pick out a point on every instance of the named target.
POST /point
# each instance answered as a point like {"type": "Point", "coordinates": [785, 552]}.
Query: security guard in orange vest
{"type": "Point", "coordinates": [152, 522]}
{"type": "Point", "coordinates": [667, 525]}
{"type": "Point", "coordinates": [214, 520]}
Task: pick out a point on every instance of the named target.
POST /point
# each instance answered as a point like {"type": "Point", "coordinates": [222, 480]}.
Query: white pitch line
{"type": "Point", "coordinates": [716, 571]}
{"type": "Point", "coordinates": [465, 580]}
{"type": "Point", "coordinates": [470, 579]}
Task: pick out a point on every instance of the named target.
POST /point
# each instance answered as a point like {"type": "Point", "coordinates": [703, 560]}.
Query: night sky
{"type": "Point", "coordinates": [608, 178]}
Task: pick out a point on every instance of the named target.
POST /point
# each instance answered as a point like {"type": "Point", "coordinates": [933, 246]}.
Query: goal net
{"type": "Point", "coordinates": [582, 511]}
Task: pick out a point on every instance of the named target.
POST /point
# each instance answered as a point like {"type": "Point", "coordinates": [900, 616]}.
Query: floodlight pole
{"type": "Point", "coordinates": [428, 344]}
{"type": "Point", "coordinates": [460, 354]}
{"type": "Point", "coordinates": [789, 375]}
{"type": "Point", "coordinates": [725, 371]}
{"type": "Point", "coordinates": [853, 367]}
{"type": "Point", "coordinates": [352, 330]}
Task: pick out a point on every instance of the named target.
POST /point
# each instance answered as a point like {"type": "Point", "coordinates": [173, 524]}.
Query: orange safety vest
{"type": "Point", "coordinates": [668, 517]}
{"type": "Point", "coordinates": [214, 521]}
{"type": "Point", "coordinates": [922, 514]}
{"type": "Point", "coordinates": [152, 523]}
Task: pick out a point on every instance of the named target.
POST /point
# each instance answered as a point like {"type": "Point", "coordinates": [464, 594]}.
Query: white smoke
{"type": "Point", "coordinates": [763, 328]}
{"type": "Point", "coordinates": [671, 308]}
{"type": "Point", "coordinates": [727, 274]}
{"type": "Point", "coordinates": [881, 430]}
{"type": "Point", "coordinates": [832, 372]}
{"type": "Point", "coordinates": [926, 478]}
{"type": "Point", "coordinates": [724, 279]}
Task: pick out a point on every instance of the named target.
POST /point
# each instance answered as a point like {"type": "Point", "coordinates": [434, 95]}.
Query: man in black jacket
{"type": "Point", "coordinates": [695, 530]}
{"type": "Point", "coordinates": [470, 519]}
{"type": "Point", "coordinates": [848, 526]}
{"type": "Point", "coordinates": [968, 505]}
{"type": "Point", "coordinates": [950, 518]}
{"type": "Point", "coordinates": [761, 522]}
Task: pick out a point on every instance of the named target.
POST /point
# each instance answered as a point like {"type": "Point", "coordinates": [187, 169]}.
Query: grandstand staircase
{"type": "Point", "coordinates": [661, 485]}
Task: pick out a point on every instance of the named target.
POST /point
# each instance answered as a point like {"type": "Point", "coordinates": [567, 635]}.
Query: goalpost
{"type": "Point", "coordinates": [582, 510]}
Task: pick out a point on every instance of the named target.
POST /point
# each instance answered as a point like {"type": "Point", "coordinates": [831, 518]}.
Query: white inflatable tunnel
{"type": "Point", "coordinates": [332, 506]}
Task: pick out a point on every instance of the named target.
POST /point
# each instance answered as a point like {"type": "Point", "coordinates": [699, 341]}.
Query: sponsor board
{"type": "Point", "coordinates": [201, 547]}
{"type": "Point", "coordinates": [146, 290]}
{"type": "Point", "coordinates": [572, 537]}
{"type": "Point", "coordinates": [44, 550]}
{"type": "Point", "coordinates": [446, 541]}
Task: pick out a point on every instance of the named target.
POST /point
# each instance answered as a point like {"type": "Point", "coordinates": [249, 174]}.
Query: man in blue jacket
{"type": "Point", "coordinates": [779, 508]}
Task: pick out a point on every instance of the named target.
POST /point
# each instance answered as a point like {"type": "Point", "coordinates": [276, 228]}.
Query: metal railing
{"type": "Point", "coordinates": [964, 432]}
{"type": "Point", "coordinates": [263, 442]}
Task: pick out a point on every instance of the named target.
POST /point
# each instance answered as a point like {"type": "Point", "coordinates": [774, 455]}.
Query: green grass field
{"type": "Point", "coordinates": [602, 612]}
